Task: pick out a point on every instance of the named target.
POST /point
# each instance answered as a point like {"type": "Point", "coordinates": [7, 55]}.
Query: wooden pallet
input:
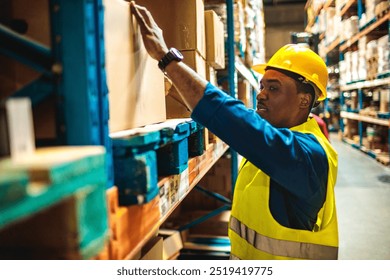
{"type": "Point", "coordinates": [13, 187]}
{"type": "Point", "coordinates": [382, 9]}
{"type": "Point", "coordinates": [383, 158]}
{"type": "Point", "coordinates": [75, 228]}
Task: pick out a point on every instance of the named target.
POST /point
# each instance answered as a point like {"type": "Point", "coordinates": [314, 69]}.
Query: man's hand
{"type": "Point", "coordinates": [151, 34]}
{"type": "Point", "coordinates": [188, 83]}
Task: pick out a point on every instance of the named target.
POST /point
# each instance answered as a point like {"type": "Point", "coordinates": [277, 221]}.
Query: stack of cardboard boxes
{"type": "Point", "coordinates": [197, 33]}
{"type": "Point", "coordinates": [139, 93]}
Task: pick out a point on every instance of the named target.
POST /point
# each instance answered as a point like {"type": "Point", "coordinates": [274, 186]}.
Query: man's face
{"type": "Point", "coordinates": [278, 101]}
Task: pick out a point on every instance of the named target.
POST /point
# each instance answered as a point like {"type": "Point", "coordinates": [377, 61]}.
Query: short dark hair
{"type": "Point", "coordinates": [300, 83]}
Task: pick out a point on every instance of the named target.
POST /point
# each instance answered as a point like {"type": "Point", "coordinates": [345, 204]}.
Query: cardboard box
{"type": "Point", "coordinates": [153, 250]}
{"type": "Point", "coordinates": [172, 243]}
{"type": "Point", "coordinates": [135, 83]}
{"type": "Point", "coordinates": [215, 40]}
{"type": "Point", "coordinates": [244, 93]}
{"type": "Point", "coordinates": [193, 169]}
{"type": "Point", "coordinates": [384, 100]}
{"type": "Point", "coordinates": [195, 60]}
{"type": "Point", "coordinates": [211, 75]}
{"type": "Point", "coordinates": [175, 104]}
{"type": "Point", "coordinates": [164, 196]}
{"type": "Point", "coordinates": [143, 219]}
{"type": "Point", "coordinates": [112, 200]}
{"type": "Point", "coordinates": [182, 22]}
{"type": "Point", "coordinates": [121, 233]}
{"type": "Point", "coordinates": [215, 226]}
{"type": "Point", "coordinates": [104, 253]}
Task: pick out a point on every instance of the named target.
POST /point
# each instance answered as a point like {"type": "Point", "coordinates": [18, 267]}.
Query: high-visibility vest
{"type": "Point", "coordinates": [255, 234]}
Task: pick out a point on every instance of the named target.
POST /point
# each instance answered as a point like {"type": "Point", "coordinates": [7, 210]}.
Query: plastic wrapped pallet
{"type": "Point", "coordinates": [370, 9]}
{"type": "Point", "coordinates": [355, 65]}
{"type": "Point", "coordinates": [384, 100]}
{"type": "Point", "coordinates": [348, 66]}
{"type": "Point", "coordinates": [331, 31]}
{"type": "Point", "coordinates": [340, 3]}
{"type": "Point", "coordinates": [362, 46]}
{"type": "Point", "coordinates": [343, 72]}
{"type": "Point", "coordinates": [349, 28]}
{"type": "Point", "coordinates": [383, 54]}
{"type": "Point", "coordinates": [322, 23]}
{"type": "Point", "coordinates": [372, 59]}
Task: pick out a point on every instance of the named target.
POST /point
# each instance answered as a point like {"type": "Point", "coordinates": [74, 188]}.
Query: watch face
{"type": "Point", "coordinates": [177, 53]}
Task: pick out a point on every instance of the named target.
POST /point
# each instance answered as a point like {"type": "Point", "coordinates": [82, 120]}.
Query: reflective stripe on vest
{"type": "Point", "coordinates": [283, 248]}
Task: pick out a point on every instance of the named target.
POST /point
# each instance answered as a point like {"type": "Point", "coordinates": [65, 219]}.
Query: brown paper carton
{"type": "Point", "coordinates": [135, 83]}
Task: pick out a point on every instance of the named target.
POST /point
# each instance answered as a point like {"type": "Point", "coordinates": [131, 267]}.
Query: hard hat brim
{"type": "Point", "coordinates": [259, 68]}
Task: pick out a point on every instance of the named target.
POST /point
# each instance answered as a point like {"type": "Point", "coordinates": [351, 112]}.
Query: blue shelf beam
{"type": "Point", "coordinates": [26, 51]}
{"type": "Point", "coordinates": [204, 218]}
{"type": "Point", "coordinates": [215, 195]}
{"type": "Point", "coordinates": [38, 90]}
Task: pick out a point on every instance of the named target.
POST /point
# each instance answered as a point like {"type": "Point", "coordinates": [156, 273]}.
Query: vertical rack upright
{"type": "Point", "coordinates": [78, 46]}
{"type": "Point", "coordinates": [71, 71]}
{"type": "Point", "coordinates": [232, 77]}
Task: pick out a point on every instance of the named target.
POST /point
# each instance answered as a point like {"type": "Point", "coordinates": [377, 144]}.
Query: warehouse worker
{"type": "Point", "coordinates": [283, 205]}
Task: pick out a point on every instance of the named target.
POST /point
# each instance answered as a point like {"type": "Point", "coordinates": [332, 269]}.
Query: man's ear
{"type": "Point", "coordinates": [305, 100]}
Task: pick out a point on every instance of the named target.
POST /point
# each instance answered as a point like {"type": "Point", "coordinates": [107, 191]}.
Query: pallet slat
{"type": "Point", "coordinates": [62, 171]}
{"type": "Point", "coordinates": [75, 228]}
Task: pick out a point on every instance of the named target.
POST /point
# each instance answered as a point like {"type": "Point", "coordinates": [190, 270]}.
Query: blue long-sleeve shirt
{"type": "Point", "coordinates": [296, 162]}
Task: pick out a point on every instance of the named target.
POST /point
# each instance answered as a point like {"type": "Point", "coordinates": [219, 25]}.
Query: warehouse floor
{"type": "Point", "coordinates": [363, 205]}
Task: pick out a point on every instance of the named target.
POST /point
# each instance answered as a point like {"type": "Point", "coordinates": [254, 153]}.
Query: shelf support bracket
{"type": "Point", "coordinates": [38, 90]}
{"type": "Point", "coordinates": [214, 195]}
{"type": "Point", "coordinates": [26, 51]}
{"type": "Point", "coordinates": [204, 218]}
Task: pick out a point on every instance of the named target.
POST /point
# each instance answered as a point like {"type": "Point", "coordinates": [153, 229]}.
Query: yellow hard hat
{"type": "Point", "coordinates": [301, 60]}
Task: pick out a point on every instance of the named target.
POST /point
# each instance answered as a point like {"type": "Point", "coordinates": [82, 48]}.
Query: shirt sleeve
{"type": "Point", "coordinates": [290, 158]}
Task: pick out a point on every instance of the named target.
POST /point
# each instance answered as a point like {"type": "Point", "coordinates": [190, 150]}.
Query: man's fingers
{"type": "Point", "coordinates": [135, 12]}
{"type": "Point", "coordinates": [142, 15]}
{"type": "Point", "coordinates": [151, 33]}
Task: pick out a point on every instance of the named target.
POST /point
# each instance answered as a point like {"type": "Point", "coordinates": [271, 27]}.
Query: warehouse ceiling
{"type": "Point", "coordinates": [282, 2]}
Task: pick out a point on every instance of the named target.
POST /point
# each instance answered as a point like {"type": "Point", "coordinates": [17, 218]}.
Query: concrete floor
{"type": "Point", "coordinates": [363, 205]}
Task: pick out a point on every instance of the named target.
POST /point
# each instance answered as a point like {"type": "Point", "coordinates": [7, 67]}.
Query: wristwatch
{"type": "Point", "coordinates": [170, 56]}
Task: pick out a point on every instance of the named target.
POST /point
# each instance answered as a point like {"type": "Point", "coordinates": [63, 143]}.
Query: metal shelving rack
{"type": "Point", "coordinates": [232, 77]}
{"type": "Point", "coordinates": [72, 70]}
{"type": "Point", "coordinates": [358, 86]}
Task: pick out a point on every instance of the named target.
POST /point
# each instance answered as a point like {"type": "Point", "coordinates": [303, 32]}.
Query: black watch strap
{"type": "Point", "coordinates": [172, 55]}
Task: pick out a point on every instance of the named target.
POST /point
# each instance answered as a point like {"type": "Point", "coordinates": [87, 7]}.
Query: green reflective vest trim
{"type": "Point", "coordinates": [284, 248]}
